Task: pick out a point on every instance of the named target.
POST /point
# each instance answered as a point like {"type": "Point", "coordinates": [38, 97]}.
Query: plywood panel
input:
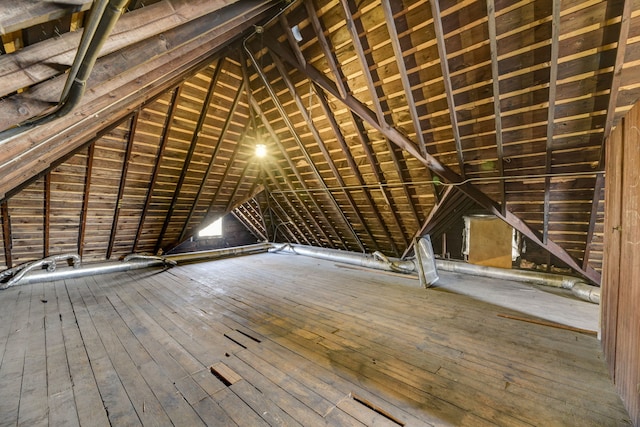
{"type": "Point", "coordinates": [490, 242]}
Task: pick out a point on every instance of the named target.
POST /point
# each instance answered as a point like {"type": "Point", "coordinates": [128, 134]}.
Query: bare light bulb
{"type": "Point", "coordinates": [261, 150]}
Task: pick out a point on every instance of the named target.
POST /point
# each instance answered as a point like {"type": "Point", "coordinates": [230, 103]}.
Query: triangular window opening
{"type": "Point", "coordinates": [212, 230]}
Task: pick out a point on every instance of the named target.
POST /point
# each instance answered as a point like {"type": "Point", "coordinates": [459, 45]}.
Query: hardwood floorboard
{"type": "Point", "coordinates": [277, 340]}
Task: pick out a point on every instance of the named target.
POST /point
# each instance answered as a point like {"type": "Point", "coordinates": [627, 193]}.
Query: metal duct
{"type": "Point", "coordinates": [575, 284]}
{"type": "Point", "coordinates": [378, 261]}
{"type": "Point", "coordinates": [131, 262]}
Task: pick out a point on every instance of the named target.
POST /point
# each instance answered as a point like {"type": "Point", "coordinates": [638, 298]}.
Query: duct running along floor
{"type": "Point", "coordinates": [277, 339]}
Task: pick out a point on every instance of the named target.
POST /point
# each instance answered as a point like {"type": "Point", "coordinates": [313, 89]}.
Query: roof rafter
{"type": "Point", "coordinates": [6, 233]}
{"type": "Point", "coordinates": [440, 169]}
{"type": "Point", "coordinates": [372, 78]}
{"type": "Point", "coordinates": [85, 198]}
{"type": "Point", "coordinates": [448, 87]}
{"type": "Point", "coordinates": [192, 148]}
{"type": "Point", "coordinates": [495, 80]}
{"type": "Point", "coordinates": [621, 48]}
{"type": "Point", "coordinates": [123, 175]}
{"type": "Point", "coordinates": [551, 112]}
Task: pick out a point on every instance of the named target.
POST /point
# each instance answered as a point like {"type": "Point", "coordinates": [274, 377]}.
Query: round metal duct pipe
{"type": "Point", "coordinates": [577, 286]}
{"type": "Point", "coordinates": [377, 261]}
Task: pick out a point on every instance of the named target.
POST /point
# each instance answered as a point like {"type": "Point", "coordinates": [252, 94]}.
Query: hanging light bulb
{"type": "Point", "coordinates": [261, 150]}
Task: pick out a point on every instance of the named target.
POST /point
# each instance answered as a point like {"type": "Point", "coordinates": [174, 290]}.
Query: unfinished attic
{"type": "Point", "coordinates": [319, 213]}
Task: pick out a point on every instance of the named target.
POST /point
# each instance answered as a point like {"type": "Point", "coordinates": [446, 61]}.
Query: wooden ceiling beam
{"type": "Point", "coordinates": [446, 173]}
{"type": "Point", "coordinates": [448, 86]}
{"type": "Point", "coordinates": [286, 224]}
{"type": "Point", "coordinates": [497, 109]}
{"type": "Point", "coordinates": [320, 143]}
{"type": "Point", "coordinates": [313, 235]}
{"type": "Point", "coordinates": [621, 49]}
{"type": "Point", "coordinates": [551, 112]}
{"type": "Point", "coordinates": [309, 160]}
{"type": "Point", "coordinates": [344, 91]}
{"type": "Point", "coordinates": [212, 160]}
{"type": "Point", "coordinates": [85, 198]}
{"type": "Point", "coordinates": [31, 152]}
{"type": "Point", "coordinates": [6, 233]}
{"type": "Point", "coordinates": [303, 184]}
{"type": "Point", "coordinates": [173, 106]}
{"type": "Point", "coordinates": [123, 180]}
{"type": "Point", "coordinates": [192, 148]}
{"type": "Point", "coordinates": [372, 78]}
{"type": "Point", "coordinates": [335, 127]}
{"type": "Point", "coordinates": [249, 224]}
{"type": "Point", "coordinates": [47, 215]}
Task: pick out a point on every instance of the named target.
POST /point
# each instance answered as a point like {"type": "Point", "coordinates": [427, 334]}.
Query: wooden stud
{"type": "Point", "coordinates": [448, 87]}
{"type": "Point", "coordinates": [553, 77]}
{"type": "Point", "coordinates": [47, 215]}
{"type": "Point", "coordinates": [372, 78]}
{"type": "Point", "coordinates": [85, 199]}
{"type": "Point", "coordinates": [497, 110]}
{"type": "Point", "coordinates": [123, 178]}
{"type": "Point", "coordinates": [387, 8]}
{"type": "Point", "coordinates": [6, 233]}
{"type": "Point", "coordinates": [212, 161]}
{"type": "Point", "coordinates": [187, 161]}
{"type": "Point", "coordinates": [173, 105]}
{"type": "Point", "coordinates": [316, 136]}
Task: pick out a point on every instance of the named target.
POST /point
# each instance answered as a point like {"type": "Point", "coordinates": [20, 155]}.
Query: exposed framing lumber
{"type": "Point", "coordinates": [234, 193]}
{"type": "Point", "coordinates": [6, 233]}
{"type": "Point", "coordinates": [447, 174]}
{"type": "Point", "coordinates": [85, 199]}
{"type": "Point", "coordinates": [551, 113]}
{"type": "Point", "coordinates": [621, 48]}
{"type": "Point", "coordinates": [495, 83]}
{"type": "Point", "coordinates": [353, 167]}
{"type": "Point", "coordinates": [292, 166]}
{"type": "Point", "coordinates": [47, 215]}
{"type": "Point", "coordinates": [387, 8]}
{"type": "Point", "coordinates": [286, 223]}
{"type": "Point", "coordinates": [318, 139]}
{"type": "Point", "coordinates": [123, 178]}
{"type": "Point", "coordinates": [192, 148]}
{"type": "Point", "coordinates": [173, 105]}
{"type": "Point", "coordinates": [214, 154]}
{"type": "Point", "coordinates": [372, 78]}
{"type": "Point", "coordinates": [112, 100]}
{"type": "Point", "coordinates": [446, 77]}
{"type": "Point", "coordinates": [432, 214]}
{"type": "Point", "coordinates": [249, 224]}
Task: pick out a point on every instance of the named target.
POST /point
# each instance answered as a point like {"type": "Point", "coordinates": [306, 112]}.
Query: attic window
{"type": "Point", "coordinates": [212, 230]}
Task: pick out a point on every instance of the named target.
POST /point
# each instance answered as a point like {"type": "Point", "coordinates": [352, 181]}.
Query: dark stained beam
{"type": "Point", "coordinates": [85, 199]}
{"type": "Point", "coordinates": [309, 214]}
{"type": "Point", "coordinates": [387, 8]}
{"type": "Point", "coordinates": [47, 215]}
{"type": "Point", "coordinates": [212, 160]}
{"type": "Point", "coordinates": [445, 195]}
{"type": "Point", "coordinates": [551, 113]}
{"type": "Point", "coordinates": [621, 49]}
{"type": "Point", "coordinates": [362, 46]}
{"type": "Point", "coordinates": [304, 152]}
{"type": "Point", "coordinates": [446, 77]}
{"type": "Point", "coordinates": [326, 48]}
{"type": "Point", "coordinates": [446, 173]}
{"type": "Point", "coordinates": [495, 83]}
{"type": "Point", "coordinates": [6, 233]}
{"type": "Point", "coordinates": [318, 139]}
{"type": "Point", "coordinates": [173, 105]}
{"type": "Point", "coordinates": [192, 148]}
{"type": "Point", "coordinates": [123, 179]}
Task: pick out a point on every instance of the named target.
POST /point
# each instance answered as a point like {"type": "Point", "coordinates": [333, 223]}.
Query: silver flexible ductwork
{"type": "Point", "coordinates": [577, 286]}
{"type": "Point", "coordinates": [131, 262]}
{"type": "Point", "coordinates": [376, 261]}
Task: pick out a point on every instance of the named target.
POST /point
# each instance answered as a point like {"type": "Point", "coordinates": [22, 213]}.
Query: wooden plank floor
{"type": "Point", "coordinates": [277, 339]}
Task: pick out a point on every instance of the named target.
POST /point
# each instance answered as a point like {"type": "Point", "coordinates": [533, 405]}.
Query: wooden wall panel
{"type": "Point", "coordinates": [621, 288]}
{"type": "Point", "coordinates": [26, 210]}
